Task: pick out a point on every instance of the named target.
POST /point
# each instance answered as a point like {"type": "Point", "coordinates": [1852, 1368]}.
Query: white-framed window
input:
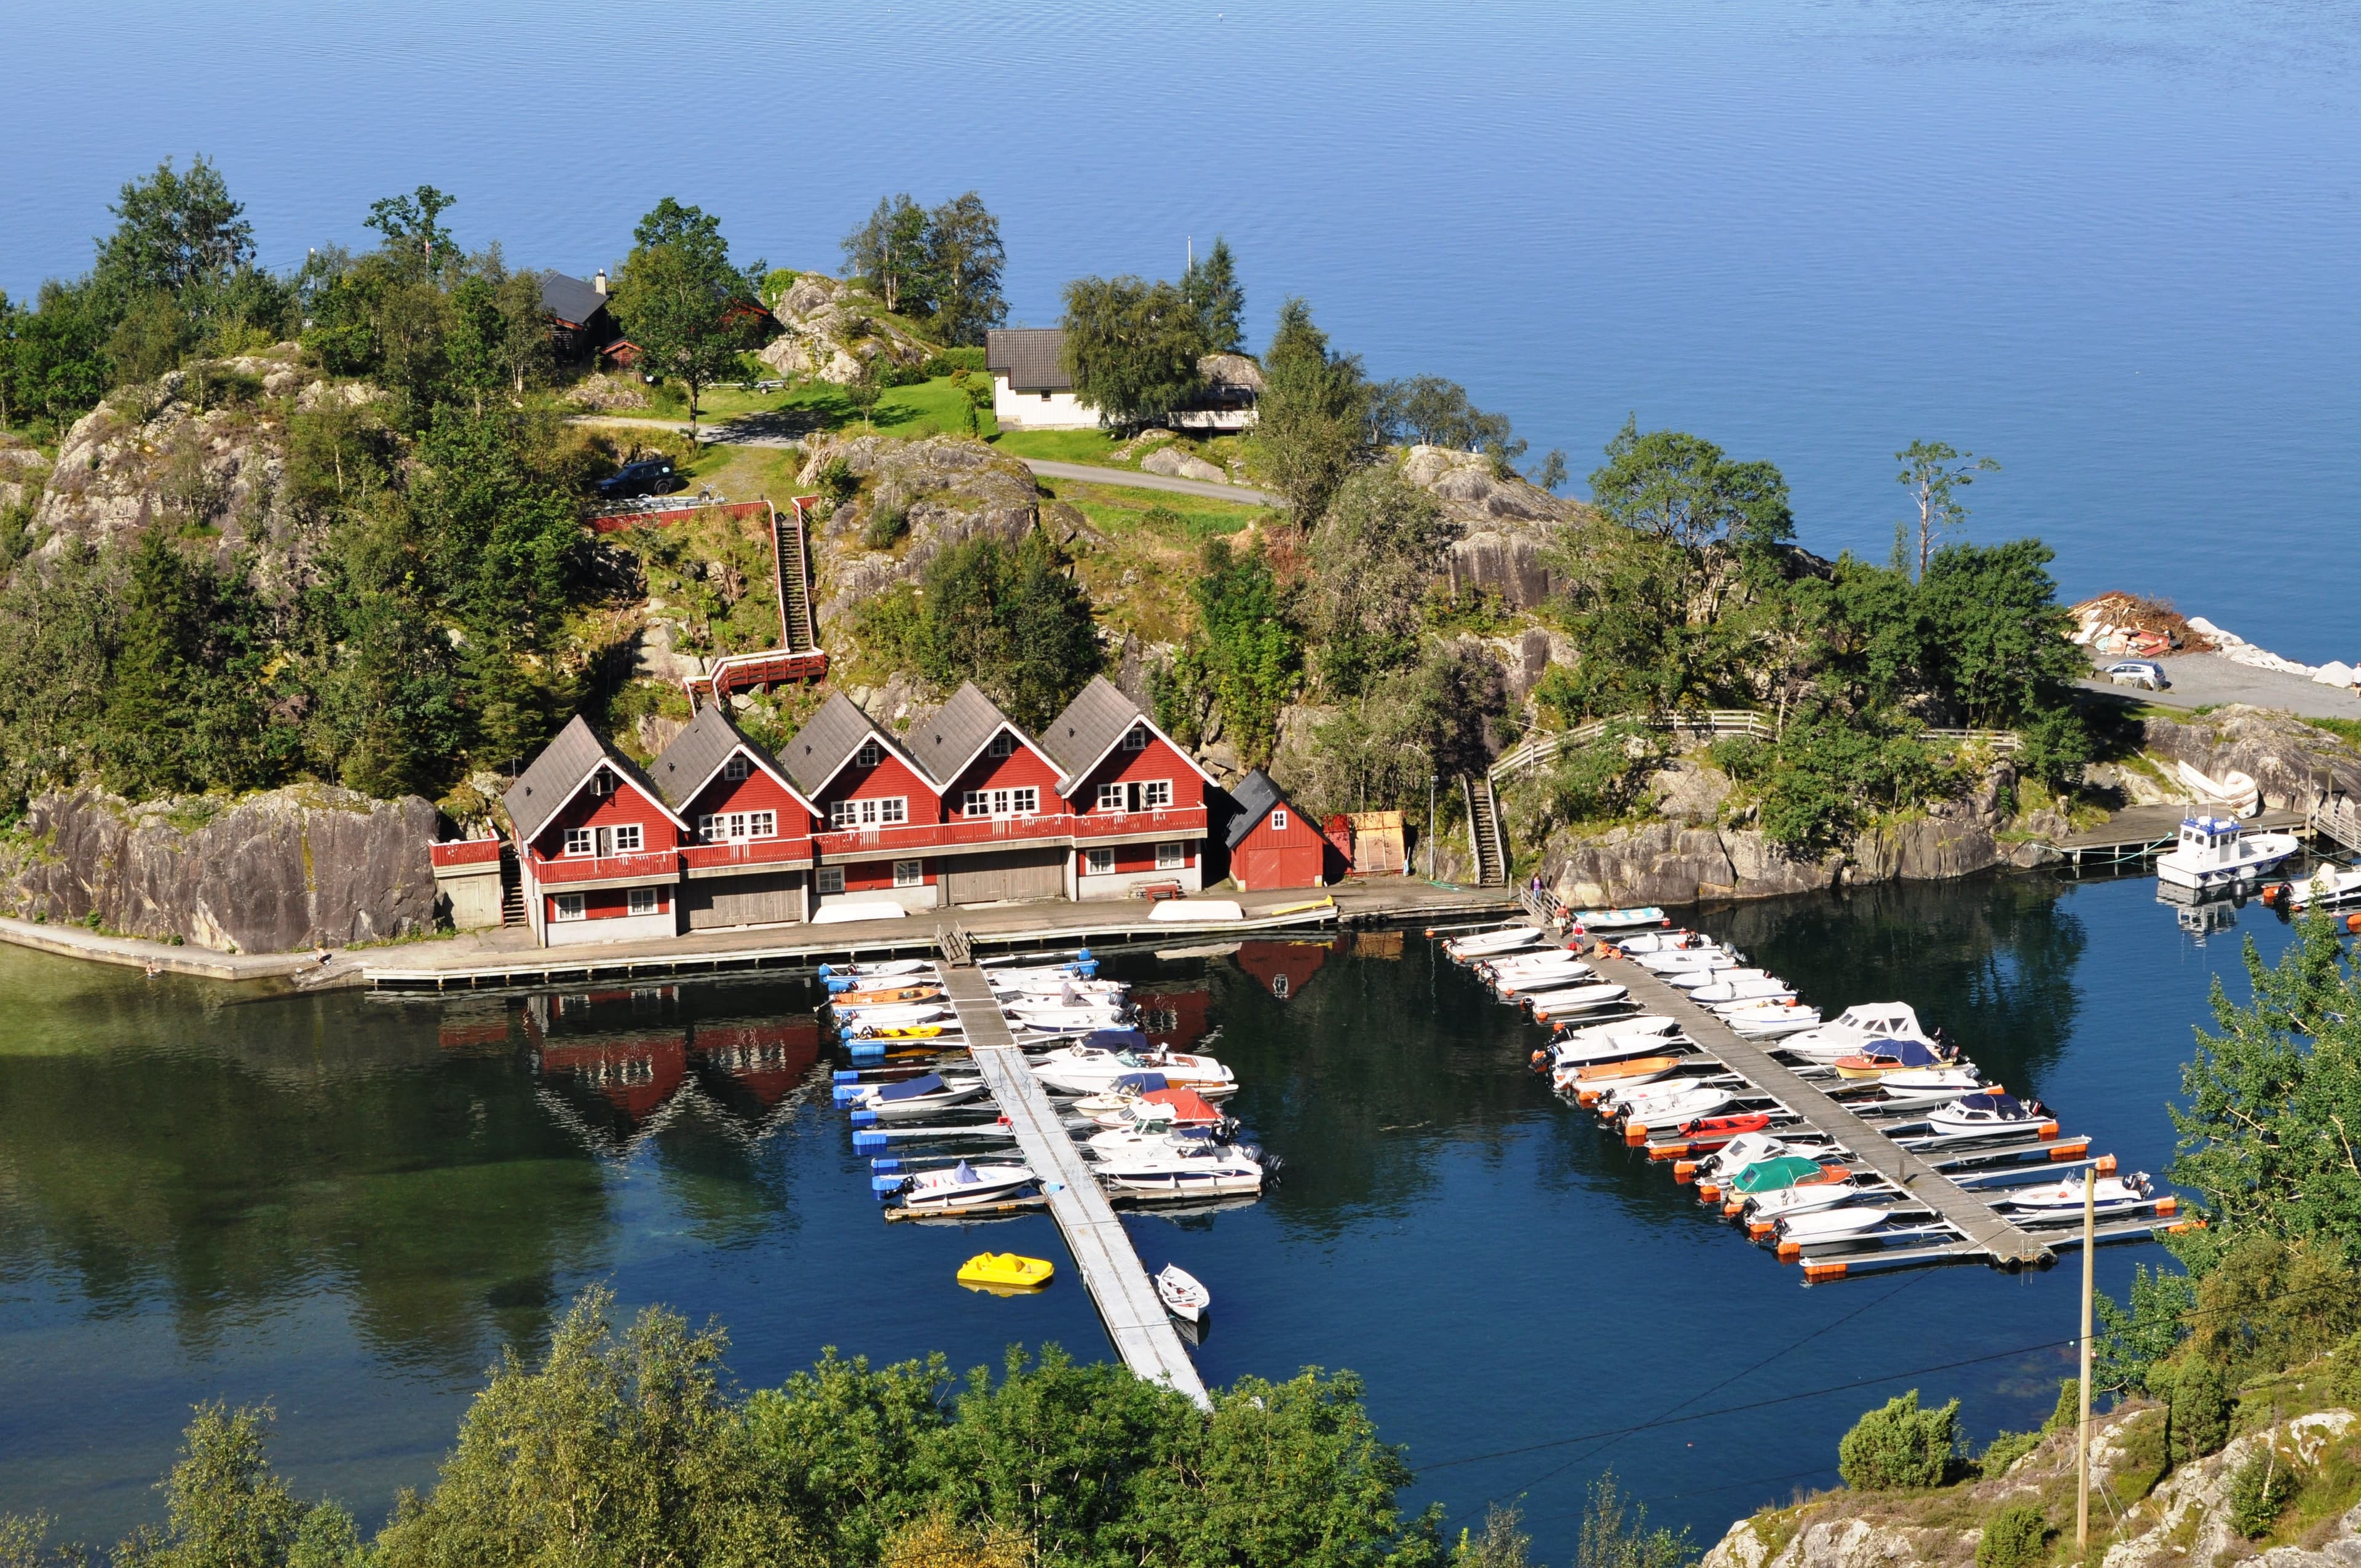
{"type": "Point", "coordinates": [1279, 820]}
{"type": "Point", "coordinates": [712, 827]}
{"type": "Point", "coordinates": [1002, 745]}
{"type": "Point", "coordinates": [602, 782]}
{"type": "Point", "coordinates": [581, 841]}
{"type": "Point", "coordinates": [626, 839]}
{"type": "Point", "coordinates": [828, 879]}
{"type": "Point", "coordinates": [567, 906]}
{"type": "Point", "coordinates": [1114, 798]}
{"type": "Point", "coordinates": [869, 754]}
{"type": "Point", "coordinates": [1022, 802]}
{"type": "Point", "coordinates": [736, 768]}
{"type": "Point", "coordinates": [1098, 863]}
{"type": "Point", "coordinates": [1045, 397]}
{"type": "Point", "coordinates": [909, 873]}
{"type": "Point", "coordinates": [761, 825]}
{"type": "Point", "coordinates": [1136, 738]}
{"type": "Point", "coordinates": [644, 900]}
{"type": "Point", "coordinates": [735, 826]}
{"type": "Point", "coordinates": [1156, 794]}
{"type": "Point", "coordinates": [1171, 856]}
{"type": "Point", "coordinates": [881, 812]}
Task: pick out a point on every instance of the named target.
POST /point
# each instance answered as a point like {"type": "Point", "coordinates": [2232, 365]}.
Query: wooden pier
{"type": "Point", "coordinates": [2131, 835]}
{"type": "Point", "coordinates": [1987, 1232]}
{"type": "Point", "coordinates": [1111, 1270]}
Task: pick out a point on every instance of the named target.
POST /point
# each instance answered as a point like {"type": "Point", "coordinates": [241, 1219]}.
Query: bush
{"type": "Point", "coordinates": [837, 481]}
{"type": "Point", "coordinates": [903, 374]}
{"type": "Point", "coordinates": [964, 358]}
{"type": "Point", "coordinates": [886, 524]}
{"type": "Point", "coordinates": [940, 364]}
{"type": "Point", "coordinates": [2259, 1493]}
{"type": "Point", "coordinates": [2006, 1449]}
{"type": "Point", "coordinates": [668, 400]}
{"type": "Point", "coordinates": [2067, 1414]}
{"type": "Point", "coordinates": [2198, 1403]}
{"type": "Point", "coordinates": [1899, 1446]}
{"type": "Point", "coordinates": [2017, 1536]}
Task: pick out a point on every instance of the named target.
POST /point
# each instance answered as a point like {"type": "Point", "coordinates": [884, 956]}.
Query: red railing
{"type": "Point", "coordinates": [744, 672]}
{"type": "Point", "coordinates": [555, 869]}
{"type": "Point", "coordinates": [610, 523]}
{"type": "Point", "coordinates": [465, 853]}
{"type": "Point", "coordinates": [1177, 820]}
{"type": "Point", "coordinates": [749, 852]}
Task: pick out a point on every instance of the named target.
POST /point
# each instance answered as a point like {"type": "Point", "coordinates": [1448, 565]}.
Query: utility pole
{"type": "Point", "coordinates": [2082, 1432]}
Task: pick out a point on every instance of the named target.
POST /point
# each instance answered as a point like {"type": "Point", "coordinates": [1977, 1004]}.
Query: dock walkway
{"type": "Point", "coordinates": [2136, 832]}
{"type": "Point", "coordinates": [1987, 1232]}
{"type": "Point", "coordinates": [1110, 1269]}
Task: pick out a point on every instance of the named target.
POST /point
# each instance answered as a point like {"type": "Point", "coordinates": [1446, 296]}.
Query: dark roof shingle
{"type": "Point", "coordinates": [946, 743]}
{"type": "Point", "coordinates": [1255, 795]}
{"type": "Point", "coordinates": [1091, 724]}
{"type": "Point", "coordinates": [559, 771]}
{"type": "Point", "coordinates": [570, 299]}
{"type": "Point", "coordinates": [1032, 358]}
{"type": "Point", "coordinates": [697, 752]}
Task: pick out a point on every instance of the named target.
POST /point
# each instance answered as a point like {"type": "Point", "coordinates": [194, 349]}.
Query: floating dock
{"type": "Point", "coordinates": [2132, 836]}
{"type": "Point", "coordinates": [1988, 1234]}
{"type": "Point", "coordinates": [1111, 1270]}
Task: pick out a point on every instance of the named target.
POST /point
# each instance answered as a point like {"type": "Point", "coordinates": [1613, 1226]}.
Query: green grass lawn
{"type": "Point", "coordinates": [1178, 521]}
{"type": "Point", "coordinates": [930, 407]}
{"type": "Point", "coordinates": [1059, 445]}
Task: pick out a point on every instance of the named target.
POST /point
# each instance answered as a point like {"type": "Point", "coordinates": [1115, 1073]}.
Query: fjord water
{"type": "Point", "coordinates": [346, 1205]}
{"type": "Point", "coordinates": [2110, 243]}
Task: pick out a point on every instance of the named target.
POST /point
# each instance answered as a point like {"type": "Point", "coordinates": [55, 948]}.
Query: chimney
{"type": "Point", "coordinates": [600, 281]}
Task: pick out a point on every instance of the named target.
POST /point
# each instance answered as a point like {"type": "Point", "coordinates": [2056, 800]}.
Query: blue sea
{"type": "Point", "coordinates": [2111, 244]}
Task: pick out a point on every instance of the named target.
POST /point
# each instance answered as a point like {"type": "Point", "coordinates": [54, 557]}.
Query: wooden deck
{"type": "Point", "coordinates": [2139, 831]}
{"type": "Point", "coordinates": [1111, 1270]}
{"type": "Point", "coordinates": [1987, 1232]}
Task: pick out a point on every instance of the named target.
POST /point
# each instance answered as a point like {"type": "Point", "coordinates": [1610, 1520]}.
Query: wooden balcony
{"type": "Point", "coordinates": [1050, 829]}
{"type": "Point", "coordinates": [1171, 822]}
{"type": "Point", "coordinates": [651, 865]}
{"type": "Point", "coordinates": [465, 852]}
{"type": "Point", "coordinates": [795, 850]}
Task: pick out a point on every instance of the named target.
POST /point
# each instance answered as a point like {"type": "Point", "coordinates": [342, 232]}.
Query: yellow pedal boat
{"type": "Point", "coordinates": [1006, 1271]}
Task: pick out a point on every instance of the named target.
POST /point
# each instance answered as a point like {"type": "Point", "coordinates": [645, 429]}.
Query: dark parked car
{"type": "Point", "coordinates": [648, 476]}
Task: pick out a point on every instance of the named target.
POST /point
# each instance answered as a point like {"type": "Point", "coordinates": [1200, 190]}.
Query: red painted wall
{"type": "Point", "coordinates": [874, 876]}
{"type": "Point", "coordinates": [1020, 768]}
{"type": "Point", "coordinates": [1154, 761]}
{"type": "Point", "coordinates": [607, 904]}
{"type": "Point", "coordinates": [891, 776]}
{"type": "Point", "coordinates": [1295, 856]}
{"type": "Point", "coordinates": [758, 790]}
{"type": "Point", "coordinates": [626, 805]}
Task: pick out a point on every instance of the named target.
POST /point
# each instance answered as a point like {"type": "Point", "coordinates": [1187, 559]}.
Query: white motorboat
{"type": "Point", "coordinates": [1486, 944]}
{"type": "Point", "coordinates": [1118, 1143]}
{"type": "Point", "coordinates": [1855, 1028]}
{"type": "Point", "coordinates": [1677, 1104]}
{"type": "Point", "coordinates": [2328, 887]}
{"type": "Point", "coordinates": [1687, 959]}
{"type": "Point", "coordinates": [882, 969]}
{"type": "Point", "coordinates": [1786, 1200]}
{"type": "Point", "coordinates": [893, 1014]}
{"type": "Point", "coordinates": [1579, 999]}
{"type": "Point", "coordinates": [912, 1098]}
{"type": "Point", "coordinates": [1660, 942]}
{"type": "Point", "coordinates": [1193, 1170]}
{"type": "Point", "coordinates": [1693, 979]}
{"type": "Point", "coordinates": [2215, 852]}
{"type": "Point", "coordinates": [1766, 989]}
{"type": "Point", "coordinates": [1182, 1296]}
{"type": "Point", "coordinates": [1529, 958]}
{"type": "Point", "coordinates": [1588, 1047]}
{"type": "Point", "coordinates": [1533, 982]}
{"type": "Point", "coordinates": [2064, 1197]}
{"type": "Point", "coordinates": [1929, 1086]}
{"type": "Point", "coordinates": [1593, 922]}
{"type": "Point", "coordinates": [1055, 1018]}
{"type": "Point", "coordinates": [1062, 987]}
{"type": "Point", "coordinates": [1771, 1022]}
{"type": "Point", "coordinates": [1086, 1069]}
{"type": "Point", "coordinates": [1847, 1224]}
{"type": "Point", "coordinates": [1747, 1148]}
{"type": "Point", "coordinates": [963, 1186]}
{"type": "Point", "coordinates": [1986, 1115]}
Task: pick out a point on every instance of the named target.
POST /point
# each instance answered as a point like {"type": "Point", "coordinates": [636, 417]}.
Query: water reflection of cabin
{"type": "Point", "coordinates": [1176, 1019]}
{"type": "Point", "coordinates": [1283, 968]}
{"type": "Point", "coordinates": [633, 1050]}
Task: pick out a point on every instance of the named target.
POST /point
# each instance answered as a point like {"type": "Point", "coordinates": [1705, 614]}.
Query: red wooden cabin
{"type": "Point", "coordinates": [1271, 844]}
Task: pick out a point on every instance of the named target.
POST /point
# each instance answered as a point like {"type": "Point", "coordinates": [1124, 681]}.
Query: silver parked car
{"type": "Point", "coordinates": [2144, 673]}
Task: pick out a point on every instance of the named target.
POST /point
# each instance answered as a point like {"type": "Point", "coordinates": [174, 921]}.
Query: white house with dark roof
{"type": "Point", "coordinates": [1031, 388]}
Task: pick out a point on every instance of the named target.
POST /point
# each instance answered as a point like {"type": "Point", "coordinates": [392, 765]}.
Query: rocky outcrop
{"type": "Point", "coordinates": [1178, 462]}
{"type": "Point", "coordinates": [201, 449]}
{"type": "Point", "coordinates": [947, 490]}
{"type": "Point", "coordinates": [1507, 526]}
{"type": "Point", "coordinates": [288, 869]}
{"type": "Point", "coordinates": [833, 329]}
{"type": "Point", "coordinates": [22, 472]}
{"type": "Point", "coordinates": [2184, 1522]}
{"type": "Point", "coordinates": [2295, 765]}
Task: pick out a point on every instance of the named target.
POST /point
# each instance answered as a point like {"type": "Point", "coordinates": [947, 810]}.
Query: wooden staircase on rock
{"type": "Point", "coordinates": [1485, 841]}
{"type": "Point", "coordinates": [798, 656]}
{"type": "Point", "coordinates": [511, 889]}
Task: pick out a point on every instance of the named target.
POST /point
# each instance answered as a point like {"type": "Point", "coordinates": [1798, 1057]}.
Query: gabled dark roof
{"type": "Point", "coordinates": [1255, 795]}
{"type": "Point", "coordinates": [949, 742]}
{"type": "Point", "coordinates": [1089, 728]}
{"type": "Point", "coordinates": [570, 299]}
{"type": "Point", "coordinates": [1030, 356]}
{"type": "Point", "coordinates": [557, 775]}
{"type": "Point", "coordinates": [820, 747]}
{"type": "Point", "coordinates": [697, 752]}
